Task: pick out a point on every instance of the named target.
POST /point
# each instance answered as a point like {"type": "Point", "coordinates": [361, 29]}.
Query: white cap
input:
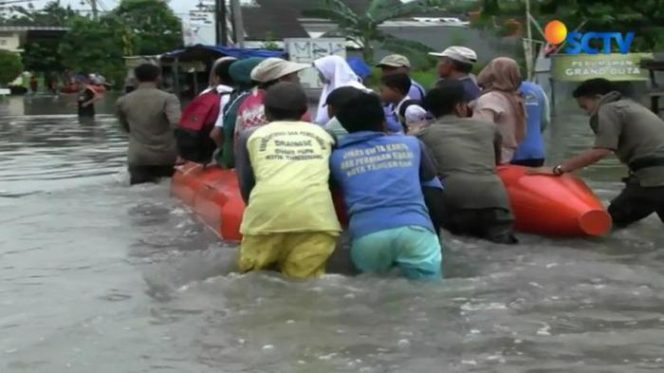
{"type": "Point", "coordinates": [461, 54]}
{"type": "Point", "coordinates": [274, 68]}
{"type": "Point", "coordinates": [415, 114]}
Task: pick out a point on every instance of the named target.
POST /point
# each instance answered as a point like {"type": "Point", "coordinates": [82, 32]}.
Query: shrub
{"type": "Point", "coordinates": [11, 66]}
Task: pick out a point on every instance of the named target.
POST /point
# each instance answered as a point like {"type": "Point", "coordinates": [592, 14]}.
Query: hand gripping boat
{"type": "Point", "coordinates": [546, 205]}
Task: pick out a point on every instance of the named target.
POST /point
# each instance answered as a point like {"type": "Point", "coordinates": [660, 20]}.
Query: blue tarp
{"type": "Point", "coordinates": [226, 51]}
{"type": "Point", "coordinates": [358, 66]}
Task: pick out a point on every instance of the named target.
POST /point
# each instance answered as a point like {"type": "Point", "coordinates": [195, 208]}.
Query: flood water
{"type": "Point", "coordinates": [96, 276]}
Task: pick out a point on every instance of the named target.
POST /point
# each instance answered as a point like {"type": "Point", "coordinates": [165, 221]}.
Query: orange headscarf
{"type": "Point", "coordinates": [502, 75]}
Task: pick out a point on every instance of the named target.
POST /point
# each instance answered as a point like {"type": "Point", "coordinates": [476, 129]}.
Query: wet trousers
{"type": "Point", "coordinates": [149, 174]}
{"type": "Point", "coordinates": [415, 250]}
{"type": "Point", "coordinates": [297, 255]}
{"type": "Point", "coordinates": [635, 203]}
{"type": "Point", "coordinates": [492, 224]}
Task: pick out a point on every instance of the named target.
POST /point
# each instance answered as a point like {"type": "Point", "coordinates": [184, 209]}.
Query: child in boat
{"type": "Point", "coordinates": [394, 92]}
{"type": "Point", "coordinates": [334, 101]}
{"type": "Point", "coordinates": [224, 133]}
{"type": "Point", "coordinates": [283, 171]}
{"type": "Point", "coordinates": [636, 136]}
{"type": "Point", "coordinates": [381, 177]}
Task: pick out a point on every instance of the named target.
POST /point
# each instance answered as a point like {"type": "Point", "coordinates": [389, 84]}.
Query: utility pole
{"type": "Point", "coordinates": [93, 4]}
{"type": "Point", "coordinates": [528, 45]}
{"type": "Point", "coordinates": [238, 23]}
{"type": "Point", "coordinates": [220, 22]}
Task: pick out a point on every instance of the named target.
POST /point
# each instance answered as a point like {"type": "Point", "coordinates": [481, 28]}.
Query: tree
{"type": "Point", "coordinates": [94, 46]}
{"type": "Point", "coordinates": [52, 15]}
{"type": "Point", "coordinates": [644, 17]}
{"type": "Point", "coordinates": [363, 28]}
{"type": "Point", "coordinates": [42, 54]}
{"type": "Point", "coordinates": [11, 66]}
{"type": "Point", "coordinates": [150, 26]}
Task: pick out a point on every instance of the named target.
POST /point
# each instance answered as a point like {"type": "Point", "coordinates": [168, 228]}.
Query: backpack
{"type": "Point", "coordinates": [197, 121]}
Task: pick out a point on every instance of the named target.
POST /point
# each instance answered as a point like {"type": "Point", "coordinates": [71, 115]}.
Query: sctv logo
{"type": "Point", "coordinates": [555, 33]}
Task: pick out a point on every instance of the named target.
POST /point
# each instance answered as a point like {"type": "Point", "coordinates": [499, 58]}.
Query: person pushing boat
{"type": "Point", "coordinates": [283, 172]}
{"type": "Point", "coordinates": [382, 177]}
{"type": "Point", "coordinates": [466, 151]}
{"type": "Point", "coordinates": [636, 135]}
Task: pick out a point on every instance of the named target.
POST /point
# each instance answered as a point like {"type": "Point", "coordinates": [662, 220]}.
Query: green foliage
{"type": "Point", "coordinates": [644, 17]}
{"type": "Point", "coordinates": [270, 42]}
{"type": "Point", "coordinates": [150, 26]}
{"type": "Point", "coordinates": [53, 15]}
{"type": "Point", "coordinates": [42, 56]}
{"type": "Point", "coordinates": [363, 28]}
{"type": "Point", "coordinates": [145, 27]}
{"type": "Point", "coordinates": [94, 46]}
{"type": "Point", "coordinates": [11, 66]}
{"type": "Point", "coordinates": [427, 77]}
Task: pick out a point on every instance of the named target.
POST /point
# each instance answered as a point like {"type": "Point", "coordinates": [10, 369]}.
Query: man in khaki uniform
{"type": "Point", "coordinates": [466, 151]}
{"type": "Point", "coordinates": [636, 136]}
{"type": "Point", "coordinates": [150, 116]}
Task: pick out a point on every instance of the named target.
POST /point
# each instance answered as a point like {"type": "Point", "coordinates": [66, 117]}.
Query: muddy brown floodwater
{"type": "Point", "coordinates": [97, 276]}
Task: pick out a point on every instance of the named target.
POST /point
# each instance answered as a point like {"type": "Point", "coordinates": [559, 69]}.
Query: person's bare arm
{"type": "Point", "coordinates": [243, 167]}
{"type": "Point", "coordinates": [217, 135]}
{"type": "Point", "coordinates": [607, 138]}
{"type": "Point", "coordinates": [578, 162]}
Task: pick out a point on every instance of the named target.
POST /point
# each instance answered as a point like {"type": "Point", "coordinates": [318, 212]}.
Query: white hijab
{"type": "Point", "coordinates": [337, 74]}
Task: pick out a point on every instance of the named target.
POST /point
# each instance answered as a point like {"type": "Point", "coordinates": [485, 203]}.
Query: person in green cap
{"type": "Point", "coordinates": [223, 134]}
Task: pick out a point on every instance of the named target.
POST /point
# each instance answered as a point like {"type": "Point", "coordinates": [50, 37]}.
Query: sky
{"type": "Point", "coordinates": [181, 7]}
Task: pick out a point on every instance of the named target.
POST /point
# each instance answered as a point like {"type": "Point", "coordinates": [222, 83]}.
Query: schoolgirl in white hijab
{"type": "Point", "coordinates": [335, 72]}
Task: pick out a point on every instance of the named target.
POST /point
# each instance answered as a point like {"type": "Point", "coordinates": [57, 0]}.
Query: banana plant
{"type": "Point", "coordinates": [363, 28]}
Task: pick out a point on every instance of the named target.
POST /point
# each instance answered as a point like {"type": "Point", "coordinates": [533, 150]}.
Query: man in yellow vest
{"type": "Point", "coordinates": [283, 171]}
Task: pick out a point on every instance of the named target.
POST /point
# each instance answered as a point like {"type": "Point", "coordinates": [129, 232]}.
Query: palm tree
{"type": "Point", "coordinates": [363, 28]}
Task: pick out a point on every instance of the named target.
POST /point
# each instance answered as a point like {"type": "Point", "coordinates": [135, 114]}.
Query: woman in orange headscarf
{"type": "Point", "coordinates": [502, 104]}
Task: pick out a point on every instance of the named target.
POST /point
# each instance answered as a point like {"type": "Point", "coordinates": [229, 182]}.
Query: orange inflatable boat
{"type": "Point", "coordinates": [546, 205]}
{"type": "Point", "coordinates": [554, 205]}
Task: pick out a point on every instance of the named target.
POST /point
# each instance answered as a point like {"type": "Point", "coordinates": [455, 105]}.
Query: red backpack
{"type": "Point", "coordinates": [196, 123]}
{"type": "Point", "coordinates": [201, 112]}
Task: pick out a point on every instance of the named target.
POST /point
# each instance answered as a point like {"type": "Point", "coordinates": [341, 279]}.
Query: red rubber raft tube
{"type": "Point", "coordinates": [545, 205]}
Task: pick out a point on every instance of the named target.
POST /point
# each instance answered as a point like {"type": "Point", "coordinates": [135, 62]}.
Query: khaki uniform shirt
{"type": "Point", "coordinates": [150, 116]}
{"type": "Point", "coordinates": [464, 150]}
{"type": "Point", "coordinates": [633, 132]}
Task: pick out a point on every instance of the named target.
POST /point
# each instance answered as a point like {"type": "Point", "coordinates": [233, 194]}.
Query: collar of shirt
{"type": "Point", "coordinates": [146, 85]}
{"type": "Point", "coordinates": [221, 88]}
{"type": "Point", "coordinates": [398, 107]}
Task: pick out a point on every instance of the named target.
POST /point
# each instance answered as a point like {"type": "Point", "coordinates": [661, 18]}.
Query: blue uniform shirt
{"type": "Point", "coordinates": [538, 116]}
{"type": "Point", "coordinates": [381, 178]}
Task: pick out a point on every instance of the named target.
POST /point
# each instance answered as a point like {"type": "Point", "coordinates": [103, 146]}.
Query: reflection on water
{"type": "Point", "coordinates": [97, 276]}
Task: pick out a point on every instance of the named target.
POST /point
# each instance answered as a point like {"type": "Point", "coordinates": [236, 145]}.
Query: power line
{"type": "Point", "coordinates": [15, 2]}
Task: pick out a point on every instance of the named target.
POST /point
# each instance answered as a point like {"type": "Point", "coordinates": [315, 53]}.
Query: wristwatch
{"type": "Point", "coordinates": [558, 170]}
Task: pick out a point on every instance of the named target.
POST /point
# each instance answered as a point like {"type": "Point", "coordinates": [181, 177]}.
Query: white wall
{"type": "Point", "coordinates": [10, 41]}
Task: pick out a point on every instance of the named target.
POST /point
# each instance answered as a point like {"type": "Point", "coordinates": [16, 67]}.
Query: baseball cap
{"type": "Point", "coordinates": [394, 60]}
{"type": "Point", "coordinates": [461, 54]}
{"type": "Point", "coordinates": [286, 96]}
{"type": "Point", "coordinates": [274, 68]}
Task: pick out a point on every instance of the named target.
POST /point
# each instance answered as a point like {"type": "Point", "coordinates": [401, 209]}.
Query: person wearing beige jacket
{"type": "Point", "coordinates": [150, 116]}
